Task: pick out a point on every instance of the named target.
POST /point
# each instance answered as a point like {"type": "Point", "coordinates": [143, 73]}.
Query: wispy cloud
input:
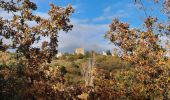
{"type": "Point", "coordinates": [90, 37]}
{"type": "Point", "coordinates": [107, 9]}
{"type": "Point", "coordinates": [117, 14]}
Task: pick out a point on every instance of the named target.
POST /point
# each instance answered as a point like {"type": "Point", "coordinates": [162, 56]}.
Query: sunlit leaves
{"type": "Point", "coordinates": [31, 70]}
{"type": "Point", "coordinates": [9, 6]}
{"type": "Point", "coordinates": [24, 36]}
{"type": "Point", "coordinates": [147, 58]}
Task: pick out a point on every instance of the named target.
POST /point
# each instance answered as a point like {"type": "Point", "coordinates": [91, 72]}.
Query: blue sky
{"type": "Point", "coordinates": [92, 18]}
{"type": "Point", "coordinates": [102, 11]}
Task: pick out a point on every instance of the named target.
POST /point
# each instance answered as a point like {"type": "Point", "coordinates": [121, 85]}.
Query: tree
{"type": "Point", "coordinates": [31, 77]}
{"type": "Point", "coordinates": [141, 48]}
{"type": "Point", "coordinates": [23, 36]}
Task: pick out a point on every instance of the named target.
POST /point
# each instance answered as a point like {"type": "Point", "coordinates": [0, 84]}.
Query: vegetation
{"type": "Point", "coordinates": [142, 71]}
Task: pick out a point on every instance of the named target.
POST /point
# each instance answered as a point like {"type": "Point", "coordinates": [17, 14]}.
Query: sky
{"type": "Point", "coordinates": [92, 18]}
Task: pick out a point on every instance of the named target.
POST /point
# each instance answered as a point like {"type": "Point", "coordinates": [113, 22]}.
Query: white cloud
{"type": "Point", "coordinates": [90, 37]}
{"type": "Point", "coordinates": [109, 13]}
{"type": "Point", "coordinates": [110, 16]}
{"type": "Point", "coordinates": [44, 15]}
{"type": "Point", "coordinates": [5, 14]}
{"type": "Point", "coordinates": [107, 9]}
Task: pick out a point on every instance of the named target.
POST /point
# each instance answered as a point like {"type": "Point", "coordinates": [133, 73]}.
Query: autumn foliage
{"type": "Point", "coordinates": [149, 72]}
{"type": "Point", "coordinates": [31, 75]}
{"type": "Point", "coordinates": [144, 71]}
